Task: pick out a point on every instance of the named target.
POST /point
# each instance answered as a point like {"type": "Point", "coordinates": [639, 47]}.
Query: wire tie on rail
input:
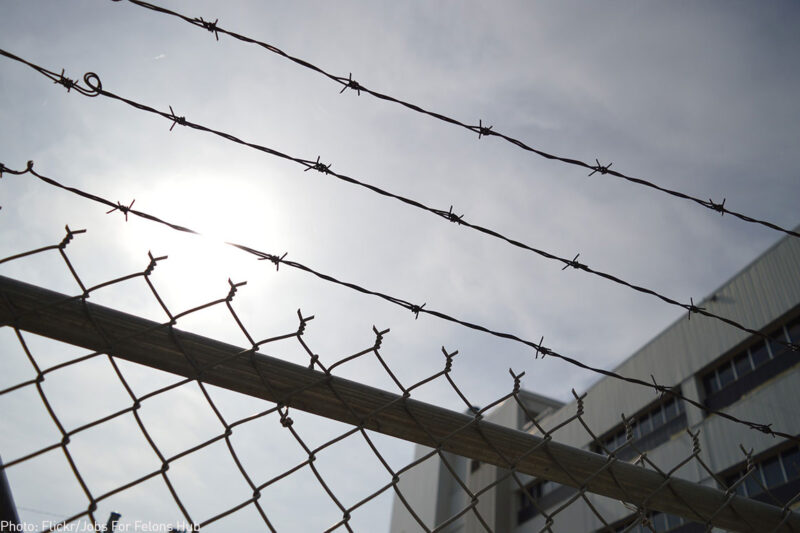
{"type": "Point", "coordinates": [602, 169]}
{"type": "Point", "coordinates": [351, 84]}
{"type": "Point", "coordinates": [66, 82]}
{"type": "Point", "coordinates": [319, 167]}
{"type": "Point", "coordinates": [210, 26]}
{"type": "Point", "coordinates": [416, 309]}
{"type": "Point", "coordinates": [483, 131]}
{"type": "Point", "coordinates": [176, 119]}
{"type": "Point", "coordinates": [122, 208]}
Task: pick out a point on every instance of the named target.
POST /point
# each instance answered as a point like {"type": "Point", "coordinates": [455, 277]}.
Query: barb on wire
{"type": "Point", "coordinates": [95, 85]}
{"type": "Point", "coordinates": [351, 84]}
{"type": "Point", "coordinates": [604, 170]}
{"type": "Point", "coordinates": [124, 209]}
{"type": "Point", "coordinates": [210, 26]}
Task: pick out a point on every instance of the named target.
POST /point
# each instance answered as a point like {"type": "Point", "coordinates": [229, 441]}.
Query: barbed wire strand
{"type": "Point", "coordinates": [95, 88]}
{"type": "Point", "coordinates": [539, 348]}
{"type": "Point", "coordinates": [482, 131]}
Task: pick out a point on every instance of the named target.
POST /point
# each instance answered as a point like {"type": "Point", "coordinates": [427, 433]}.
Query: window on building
{"type": "Point", "coordinates": [538, 495]}
{"type": "Point", "coordinates": [731, 379]}
{"type": "Point", "coordinates": [777, 470]}
{"type": "Point", "coordinates": [648, 429]}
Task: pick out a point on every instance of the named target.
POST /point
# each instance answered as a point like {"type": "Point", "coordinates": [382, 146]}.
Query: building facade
{"type": "Point", "coordinates": [704, 359]}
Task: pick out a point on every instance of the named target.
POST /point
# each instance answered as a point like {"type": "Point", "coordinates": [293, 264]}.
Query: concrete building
{"type": "Point", "coordinates": [720, 366]}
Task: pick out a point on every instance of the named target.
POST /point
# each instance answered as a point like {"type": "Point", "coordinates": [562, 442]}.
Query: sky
{"type": "Point", "coordinates": [700, 98]}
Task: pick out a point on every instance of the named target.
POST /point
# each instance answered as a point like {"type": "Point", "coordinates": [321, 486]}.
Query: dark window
{"type": "Point", "coordinates": [742, 364]}
{"type": "Point", "coordinates": [671, 408]}
{"type": "Point", "coordinates": [777, 343]}
{"type": "Point", "coordinates": [725, 373]}
{"type": "Point", "coordinates": [759, 354]}
{"type": "Point", "coordinates": [648, 430]}
{"type": "Point", "coordinates": [753, 483]}
{"type": "Point", "coordinates": [794, 331]}
{"type": "Point", "coordinates": [791, 463]}
{"type": "Point", "coordinates": [773, 474]}
{"type": "Point", "coordinates": [474, 465]}
{"type": "Point", "coordinates": [710, 383]}
{"type": "Point", "coordinates": [733, 377]}
{"type": "Point", "coordinates": [770, 472]}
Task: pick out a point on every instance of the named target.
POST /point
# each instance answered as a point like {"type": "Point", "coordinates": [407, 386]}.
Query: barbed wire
{"type": "Point", "coordinates": [482, 131]}
{"type": "Point", "coordinates": [316, 389]}
{"type": "Point", "coordinates": [278, 260]}
{"type": "Point", "coordinates": [95, 88]}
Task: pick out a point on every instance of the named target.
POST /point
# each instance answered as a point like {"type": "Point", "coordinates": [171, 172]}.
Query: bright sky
{"type": "Point", "coordinates": [701, 98]}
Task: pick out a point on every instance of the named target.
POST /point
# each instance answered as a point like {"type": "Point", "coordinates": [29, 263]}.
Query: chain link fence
{"type": "Point", "coordinates": [297, 477]}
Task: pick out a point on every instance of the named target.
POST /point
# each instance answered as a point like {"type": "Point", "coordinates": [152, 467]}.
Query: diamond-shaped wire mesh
{"type": "Point", "coordinates": [95, 431]}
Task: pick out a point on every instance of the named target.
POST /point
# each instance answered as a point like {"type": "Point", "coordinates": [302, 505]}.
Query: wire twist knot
{"type": "Point", "coordinates": [378, 337]}
{"type": "Point", "coordinates": [483, 131]}
{"type": "Point", "coordinates": [416, 309]}
{"type": "Point", "coordinates": [318, 166]}
{"type": "Point", "coordinates": [541, 349]}
{"type": "Point", "coordinates": [720, 208]}
{"type": "Point", "coordinates": [602, 169]}
{"type": "Point", "coordinates": [693, 308]}
{"type": "Point", "coordinates": [448, 364]}
{"type": "Point", "coordinates": [579, 402]}
{"type": "Point", "coordinates": [351, 84]}
{"type": "Point", "coordinates": [517, 378]}
{"type": "Point", "coordinates": [274, 259]}
{"type": "Point", "coordinates": [175, 119]}
{"type": "Point", "coordinates": [210, 26]}
{"type": "Point", "coordinates": [234, 288]}
{"type": "Point", "coordinates": [122, 208]}
{"type": "Point", "coordinates": [65, 81]}
{"type": "Point", "coordinates": [152, 264]}
{"type": "Point", "coordinates": [69, 236]}
{"type": "Point", "coordinates": [574, 263]}
{"type": "Point", "coordinates": [452, 217]}
{"type": "Point", "coordinates": [303, 320]}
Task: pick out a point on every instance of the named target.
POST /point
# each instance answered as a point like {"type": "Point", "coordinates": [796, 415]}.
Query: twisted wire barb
{"type": "Point", "coordinates": [480, 129]}
{"type": "Point", "coordinates": [95, 88]}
